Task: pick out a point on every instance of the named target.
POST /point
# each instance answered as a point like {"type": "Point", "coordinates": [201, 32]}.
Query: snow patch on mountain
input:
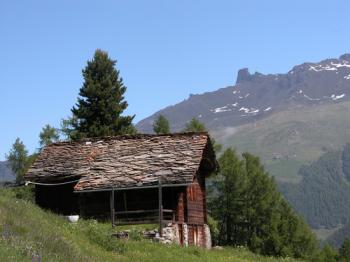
{"type": "Point", "coordinates": [334, 97]}
{"type": "Point", "coordinates": [328, 67]}
{"type": "Point", "coordinates": [311, 99]}
{"type": "Point", "coordinates": [345, 64]}
{"type": "Point", "coordinates": [246, 110]}
{"type": "Point", "coordinates": [252, 111]}
{"type": "Point", "coordinates": [320, 68]}
{"type": "Point", "coordinates": [221, 109]}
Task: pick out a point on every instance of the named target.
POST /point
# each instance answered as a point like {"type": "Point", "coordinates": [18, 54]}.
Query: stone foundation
{"type": "Point", "coordinates": [171, 235]}
{"type": "Point", "coordinates": [185, 234]}
{"type": "Point", "coordinates": [207, 237]}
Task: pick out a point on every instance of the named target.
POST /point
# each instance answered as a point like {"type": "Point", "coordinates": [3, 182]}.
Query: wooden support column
{"type": "Point", "coordinates": [112, 207]}
{"type": "Point", "coordinates": [160, 207]}
{"type": "Point", "coordinates": [81, 205]}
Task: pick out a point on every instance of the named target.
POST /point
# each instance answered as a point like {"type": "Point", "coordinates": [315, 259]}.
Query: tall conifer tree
{"type": "Point", "coordinates": [195, 126]}
{"type": "Point", "coordinates": [251, 212]}
{"type": "Point", "coordinates": [161, 125]}
{"type": "Point", "coordinates": [48, 135]}
{"type": "Point", "coordinates": [101, 103]}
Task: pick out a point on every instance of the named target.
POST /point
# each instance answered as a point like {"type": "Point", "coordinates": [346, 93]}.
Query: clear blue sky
{"type": "Point", "coordinates": [165, 50]}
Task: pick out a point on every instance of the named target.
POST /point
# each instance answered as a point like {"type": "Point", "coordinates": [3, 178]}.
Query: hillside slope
{"type": "Point", "coordinates": [286, 119]}
{"type": "Point", "coordinates": [338, 238]}
{"type": "Point", "coordinates": [287, 140]}
{"type": "Point", "coordinates": [31, 234]}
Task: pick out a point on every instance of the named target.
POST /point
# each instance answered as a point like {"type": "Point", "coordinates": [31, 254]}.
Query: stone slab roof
{"type": "Point", "coordinates": [125, 161]}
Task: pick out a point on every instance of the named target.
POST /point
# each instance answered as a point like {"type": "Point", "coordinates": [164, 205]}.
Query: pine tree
{"type": "Point", "coordinates": [229, 189]}
{"type": "Point", "coordinates": [99, 109]}
{"type": "Point", "coordinates": [161, 125]}
{"type": "Point", "coordinates": [344, 251]}
{"type": "Point", "coordinates": [195, 126]}
{"type": "Point", "coordinates": [48, 135]}
{"type": "Point", "coordinates": [18, 159]}
{"type": "Point", "coordinates": [328, 254]}
{"type": "Point", "coordinates": [251, 212]}
{"type": "Point", "coordinates": [67, 129]}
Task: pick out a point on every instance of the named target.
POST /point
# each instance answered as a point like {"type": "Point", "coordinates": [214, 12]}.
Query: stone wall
{"type": "Point", "coordinates": [207, 237]}
{"type": "Point", "coordinates": [185, 234]}
{"type": "Point", "coordinates": [171, 235]}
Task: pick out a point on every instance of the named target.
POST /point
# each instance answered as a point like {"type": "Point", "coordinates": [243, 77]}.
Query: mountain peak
{"type": "Point", "coordinates": [243, 75]}
{"type": "Point", "coordinates": [345, 57]}
{"type": "Point", "coordinates": [257, 96]}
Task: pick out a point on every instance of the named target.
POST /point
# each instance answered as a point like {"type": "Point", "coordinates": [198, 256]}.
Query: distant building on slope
{"type": "Point", "coordinates": [131, 179]}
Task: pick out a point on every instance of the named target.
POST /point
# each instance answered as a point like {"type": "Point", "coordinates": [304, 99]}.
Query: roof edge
{"type": "Point", "coordinates": [122, 137]}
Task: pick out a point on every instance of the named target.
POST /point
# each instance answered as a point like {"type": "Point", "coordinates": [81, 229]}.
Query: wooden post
{"type": "Point", "coordinates": [81, 204]}
{"type": "Point", "coordinates": [173, 205]}
{"type": "Point", "coordinates": [160, 207]}
{"type": "Point", "coordinates": [112, 207]}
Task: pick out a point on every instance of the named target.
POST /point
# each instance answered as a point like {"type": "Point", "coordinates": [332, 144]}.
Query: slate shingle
{"type": "Point", "coordinates": [125, 161]}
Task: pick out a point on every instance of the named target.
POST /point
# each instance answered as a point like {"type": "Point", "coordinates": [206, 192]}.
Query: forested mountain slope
{"type": "Point", "coordinates": [338, 238]}
{"type": "Point", "coordinates": [323, 195]}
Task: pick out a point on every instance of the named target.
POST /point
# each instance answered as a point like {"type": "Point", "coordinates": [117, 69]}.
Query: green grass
{"type": "Point", "coordinates": [299, 136]}
{"type": "Point", "coordinates": [286, 169]}
{"type": "Point", "coordinates": [28, 233]}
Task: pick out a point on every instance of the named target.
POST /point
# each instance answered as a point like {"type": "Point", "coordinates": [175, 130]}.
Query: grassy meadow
{"type": "Point", "coordinates": [28, 233]}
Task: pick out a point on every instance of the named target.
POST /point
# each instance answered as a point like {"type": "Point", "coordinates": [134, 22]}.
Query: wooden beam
{"type": "Point", "coordinates": [137, 211]}
{"type": "Point", "coordinates": [81, 205]}
{"type": "Point", "coordinates": [132, 188]}
{"type": "Point", "coordinates": [160, 202]}
{"type": "Point", "coordinates": [124, 198]}
{"type": "Point", "coordinates": [112, 207]}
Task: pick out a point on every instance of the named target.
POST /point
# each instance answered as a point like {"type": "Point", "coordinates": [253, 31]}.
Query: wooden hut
{"type": "Point", "coordinates": [130, 179]}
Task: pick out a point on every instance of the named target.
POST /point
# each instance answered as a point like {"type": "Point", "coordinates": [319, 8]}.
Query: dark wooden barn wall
{"type": "Point", "coordinates": [59, 199]}
{"type": "Point", "coordinates": [189, 204]}
{"type": "Point", "coordinates": [97, 204]}
{"type": "Point", "coordinates": [191, 209]}
{"type": "Point", "coordinates": [94, 205]}
{"type": "Point", "coordinates": [196, 206]}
